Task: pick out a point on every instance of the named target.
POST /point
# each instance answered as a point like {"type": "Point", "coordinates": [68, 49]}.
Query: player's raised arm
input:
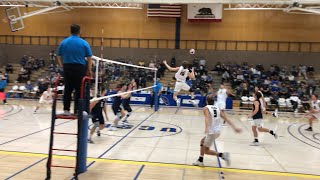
{"type": "Point", "coordinates": [169, 67]}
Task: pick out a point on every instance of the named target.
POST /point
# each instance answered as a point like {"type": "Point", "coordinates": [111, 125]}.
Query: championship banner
{"type": "Point", "coordinates": [205, 12]}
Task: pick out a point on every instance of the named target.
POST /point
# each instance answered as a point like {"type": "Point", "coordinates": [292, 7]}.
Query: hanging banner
{"type": "Point", "coordinates": [205, 12]}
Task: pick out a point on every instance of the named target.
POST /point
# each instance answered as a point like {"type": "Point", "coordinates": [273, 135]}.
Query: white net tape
{"type": "Point", "coordinates": [100, 59]}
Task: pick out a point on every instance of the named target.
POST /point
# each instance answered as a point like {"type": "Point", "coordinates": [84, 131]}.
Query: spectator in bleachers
{"type": "Point", "coordinates": [52, 57]}
{"type": "Point", "coordinates": [9, 68]}
{"type": "Point", "coordinates": [23, 75]}
{"type": "Point", "coordinates": [202, 62]}
{"type": "Point", "coordinates": [303, 71]}
{"type": "Point", "coordinates": [29, 86]}
{"type": "Point", "coordinates": [312, 84]}
{"type": "Point", "coordinates": [310, 69]}
{"type": "Point", "coordinates": [283, 93]}
{"type": "Point", "coordinates": [305, 103]}
{"type": "Point", "coordinates": [173, 62]}
{"type": "Point", "coordinates": [24, 60]}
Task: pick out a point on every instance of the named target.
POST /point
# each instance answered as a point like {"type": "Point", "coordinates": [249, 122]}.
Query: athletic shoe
{"type": "Point", "coordinates": [194, 103]}
{"type": "Point", "coordinates": [98, 133]}
{"type": "Point", "coordinates": [5, 103]}
{"type": "Point", "coordinates": [275, 113]}
{"type": "Point", "coordinates": [255, 143]}
{"type": "Point", "coordinates": [198, 163]}
{"type": "Point", "coordinates": [67, 113]}
{"type": "Point", "coordinates": [125, 122]}
{"type": "Point", "coordinates": [90, 141]}
{"type": "Point", "coordinates": [34, 112]}
{"type": "Point", "coordinates": [112, 128]}
{"type": "Point", "coordinates": [275, 134]}
{"type": "Point", "coordinates": [226, 157]}
{"type": "Point", "coordinates": [309, 129]}
{"type": "Point", "coordinates": [296, 111]}
{"type": "Point", "coordinates": [178, 102]}
{"type": "Point", "coordinates": [306, 111]}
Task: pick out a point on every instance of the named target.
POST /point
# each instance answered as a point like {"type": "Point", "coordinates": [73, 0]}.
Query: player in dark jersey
{"type": "Point", "coordinates": [257, 117]}
{"type": "Point", "coordinates": [117, 110]}
{"type": "Point", "coordinates": [97, 108]}
{"type": "Point", "coordinates": [126, 104]}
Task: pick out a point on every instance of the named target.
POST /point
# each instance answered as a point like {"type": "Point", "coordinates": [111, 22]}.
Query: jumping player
{"type": "Point", "coordinates": [314, 113]}
{"type": "Point", "coordinates": [126, 104]}
{"type": "Point", "coordinates": [213, 122]}
{"type": "Point", "coordinates": [97, 108]}
{"type": "Point", "coordinates": [117, 110]}
{"type": "Point", "coordinates": [46, 98]}
{"type": "Point", "coordinates": [181, 77]}
{"type": "Point", "coordinates": [257, 117]}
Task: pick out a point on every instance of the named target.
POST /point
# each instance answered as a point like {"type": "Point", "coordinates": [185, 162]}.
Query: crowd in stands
{"type": "Point", "coordinates": [276, 82]}
{"type": "Point", "coordinates": [29, 64]}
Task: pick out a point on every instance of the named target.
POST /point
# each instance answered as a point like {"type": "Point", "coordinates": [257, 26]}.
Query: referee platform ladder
{"type": "Point", "coordinates": [81, 135]}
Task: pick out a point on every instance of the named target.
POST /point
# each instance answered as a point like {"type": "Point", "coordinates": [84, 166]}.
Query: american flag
{"type": "Point", "coordinates": [164, 10]}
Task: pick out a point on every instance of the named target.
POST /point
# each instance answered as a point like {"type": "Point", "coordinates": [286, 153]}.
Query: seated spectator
{"type": "Point", "coordinates": [274, 81]}
{"type": "Point", "coordinates": [310, 69]}
{"type": "Point", "coordinates": [29, 86]}
{"type": "Point", "coordinates": [267, 81]}
{"type": "Point", "coordinates": [202, 62]}
{"type": "Point", "coordinates": [141, 63]}
{"type": "Point", "coordinates": [265, 90]}
{"type": "Point", "coordinates": [42, 63]}
{"type": "Point", "coordinates": [24, 60]}
{"type": "Point", "coordinates": [312, 84]}
{"type": "Point", "coordinates": [151, 64]}
{"type": "Point", "coordinates": [294, 71]}
{"type": "Point", "coordinates": [283, 93]}
{"type": "Point", "coordinates": [9, 68]}
{"type": "Point", "coordinates": [303, 71]}
{"type": "Point", "coordinates": [305, 103]}
{"type": "Point", "coordinates": [274, 99]}
{"type": "Point", "coordinates": [173, 62]}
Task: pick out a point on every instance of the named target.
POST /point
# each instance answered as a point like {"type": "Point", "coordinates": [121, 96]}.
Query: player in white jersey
{"type": "Point", "coordinates": [314, 113]}
{"type": "Point", "coordinates": [213, 123]}
{"type": "Point", "coordinates": [181, 77]}
{"type": "Point", "coordinates": [264, 104]}
{"type": "Point", "coordinates": [46, 98]}
{"type": "Point", "coordinates": [222, 95]}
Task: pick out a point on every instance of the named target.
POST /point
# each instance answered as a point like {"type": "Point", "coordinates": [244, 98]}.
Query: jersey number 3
{"type": "Point", "coordinates": [182, 73]}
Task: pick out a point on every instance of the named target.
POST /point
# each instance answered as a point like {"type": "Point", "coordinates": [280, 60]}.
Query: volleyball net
{"type": "Point", "coordinates": [109, 73]}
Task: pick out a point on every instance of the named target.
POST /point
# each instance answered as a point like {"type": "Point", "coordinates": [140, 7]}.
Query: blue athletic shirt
{"type": "Point", "coordinates": [74, 50]}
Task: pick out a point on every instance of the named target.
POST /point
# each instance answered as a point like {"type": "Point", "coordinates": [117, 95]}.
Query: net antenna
{"type": "Point", "coordinates": [15, 18]}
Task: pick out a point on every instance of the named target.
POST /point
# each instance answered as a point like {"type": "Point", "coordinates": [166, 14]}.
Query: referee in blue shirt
{"type": "Point", "coordinates": [74, 55]}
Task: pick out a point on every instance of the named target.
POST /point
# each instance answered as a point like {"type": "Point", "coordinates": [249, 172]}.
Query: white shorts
{"type": "Point", "coordinates": [181, 85]}
{"type": "Point", "coordinates": [257, 122]}
{"type": "Point", "coordinates": [316, 115]}
{"type": "Point", "coordinates": [209, 139]}
{"type": "Point", "coordinates": [44, 101]}
{"type": "Point", "coordinates": [221, 105]}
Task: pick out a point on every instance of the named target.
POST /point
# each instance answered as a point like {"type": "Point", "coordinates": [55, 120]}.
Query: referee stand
{"type": "Point", "coordinates": [82, 132]}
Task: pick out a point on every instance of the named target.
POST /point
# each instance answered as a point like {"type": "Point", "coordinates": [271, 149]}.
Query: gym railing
{"type": "Point", "coordinates": [216, 45]}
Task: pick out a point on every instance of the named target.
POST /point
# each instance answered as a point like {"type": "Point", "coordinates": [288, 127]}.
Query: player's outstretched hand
{"type": "Point", "coordinates": [165, 61]}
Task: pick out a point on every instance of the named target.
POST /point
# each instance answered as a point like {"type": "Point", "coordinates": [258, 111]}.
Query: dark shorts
{"type": "Point", "coordinates": [116, 109]}
{"type": "Point", "coordinates": [127, 107]}
{"type": "Point", "coordinates": [98, 119]}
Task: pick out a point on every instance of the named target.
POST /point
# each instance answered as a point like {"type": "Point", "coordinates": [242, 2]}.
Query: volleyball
{"type": "Point", "coordinates": [192, 51]}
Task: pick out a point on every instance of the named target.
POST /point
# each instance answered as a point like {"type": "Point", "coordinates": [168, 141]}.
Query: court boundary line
{"type": "Point", "coordinates": [139, 172]}
{"type": "Point", "coordinates": [289, 131]}
{"type": "Point", "coordinates": [160, 164]}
